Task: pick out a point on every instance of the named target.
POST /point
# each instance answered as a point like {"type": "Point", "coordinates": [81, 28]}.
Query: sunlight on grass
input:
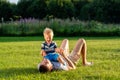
{"type": "Point", "coordinates": [19, 58]}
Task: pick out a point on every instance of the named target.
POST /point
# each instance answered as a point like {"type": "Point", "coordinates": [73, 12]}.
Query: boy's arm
{"type": "Point", "coordinates": [43, 53]}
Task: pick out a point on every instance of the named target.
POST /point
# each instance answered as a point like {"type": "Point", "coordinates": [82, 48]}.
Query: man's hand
{"type": "Point", "coordinates": [59, 50]}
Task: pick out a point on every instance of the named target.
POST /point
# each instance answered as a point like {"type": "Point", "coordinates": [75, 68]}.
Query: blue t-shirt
{"type": "Point", "coordinates": [48, 48]}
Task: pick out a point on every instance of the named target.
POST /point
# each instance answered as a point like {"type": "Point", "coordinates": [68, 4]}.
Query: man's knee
{"type": "Point", "coordinates": [82, 40]}
{"type": "Point", "coordinates": [65, 40]}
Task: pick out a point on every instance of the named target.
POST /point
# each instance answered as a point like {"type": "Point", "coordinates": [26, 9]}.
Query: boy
{"type": "Point", "coordinates": [49, 48]}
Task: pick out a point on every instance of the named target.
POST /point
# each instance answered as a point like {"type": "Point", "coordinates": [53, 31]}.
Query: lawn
{"type": "Point", "coordinates": [19, 57]}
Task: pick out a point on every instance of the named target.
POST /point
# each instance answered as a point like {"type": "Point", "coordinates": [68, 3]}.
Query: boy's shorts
{"type": "Point", "coordinates": [52, 57]}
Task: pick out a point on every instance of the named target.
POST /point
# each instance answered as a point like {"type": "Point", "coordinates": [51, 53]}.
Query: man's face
{"type": "Point", "coordinates": [48, 38]}
{"type": "Point", "coordinates": [47, 63]}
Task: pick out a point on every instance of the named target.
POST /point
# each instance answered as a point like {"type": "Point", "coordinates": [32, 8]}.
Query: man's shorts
{"type": "Point", "coordinates": [52, 57]}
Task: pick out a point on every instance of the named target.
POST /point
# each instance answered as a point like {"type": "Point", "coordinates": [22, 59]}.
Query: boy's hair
{"type": "Point", "coordinates": [43, 68]}
{"type": "Point", "coordinates": [48, 31]}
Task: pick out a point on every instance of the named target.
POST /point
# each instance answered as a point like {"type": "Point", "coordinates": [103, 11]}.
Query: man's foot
{"type": "Point", "coordinates": [88, 64]}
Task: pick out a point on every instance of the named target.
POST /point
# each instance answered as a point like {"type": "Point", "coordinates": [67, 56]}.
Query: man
{"type": "Point", "coordinates": [70, 60]}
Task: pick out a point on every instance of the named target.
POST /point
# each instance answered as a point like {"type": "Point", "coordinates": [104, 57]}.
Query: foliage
{"type": "Point", "coordinates": [79, 4]}
{"type": "Point", "coordinates": [5, 10]}
{"type": "Point", "coordinates": [67, 27]}
{"type": "Point", "coordinates": [102, 10]}
{"type": "Point", "coordinates": [61, 8]}
{"type": "Point", "coordinates": [38, 9]}
{"type": "Point", "coordinates": [22, 7]}
{"type": "Point", "coordinates": [106, 11]}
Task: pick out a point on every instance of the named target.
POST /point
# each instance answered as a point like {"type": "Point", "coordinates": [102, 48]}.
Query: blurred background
{"type": "Point", "coordinates": [68, 17]}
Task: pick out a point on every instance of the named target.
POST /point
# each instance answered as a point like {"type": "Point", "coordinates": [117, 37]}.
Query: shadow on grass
{"type": "Point", "coordinates": [30, 38]}
{"type": "Point", "coordinates": [17, 39]}
{"type": "Point", "coordinates": [41, 38]}
{"type": "Point", "coordinates": [4, 73]}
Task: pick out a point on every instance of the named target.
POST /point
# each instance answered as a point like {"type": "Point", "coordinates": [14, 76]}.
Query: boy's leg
{"type": "Point", "coordinates": [65, 46]}
{"type": "Point", "coordinates": [79, 49]}
{"type": "Point", "coordinates": [54, 57]}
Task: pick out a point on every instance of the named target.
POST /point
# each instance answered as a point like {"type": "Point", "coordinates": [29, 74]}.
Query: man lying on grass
{"type": "Point", "coordinates": [69, 60]}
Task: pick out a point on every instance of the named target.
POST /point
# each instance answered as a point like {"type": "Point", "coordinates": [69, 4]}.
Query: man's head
{"type": "Point", "coordinates": [48, 35]}
{"type": "Point", "coordinates": [45, 66]}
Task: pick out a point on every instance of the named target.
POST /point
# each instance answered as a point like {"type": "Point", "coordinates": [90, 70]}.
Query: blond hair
{"type": "Point", "coordinates": [48, 31]}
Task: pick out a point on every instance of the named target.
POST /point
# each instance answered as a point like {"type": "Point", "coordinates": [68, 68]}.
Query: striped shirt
{"type": "Point", "coordinates": [49, 48]}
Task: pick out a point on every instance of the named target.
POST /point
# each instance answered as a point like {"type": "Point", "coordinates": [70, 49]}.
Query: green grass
{"type": "Point", "coordinates": [19, 57]}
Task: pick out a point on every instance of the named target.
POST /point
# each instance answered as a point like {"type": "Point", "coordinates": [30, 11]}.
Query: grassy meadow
{"type": "Point", "coordinates": [19, 57]}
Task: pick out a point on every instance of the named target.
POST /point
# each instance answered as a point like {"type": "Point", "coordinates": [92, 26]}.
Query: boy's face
{"type": "Point", "coordinates": [48, 38]}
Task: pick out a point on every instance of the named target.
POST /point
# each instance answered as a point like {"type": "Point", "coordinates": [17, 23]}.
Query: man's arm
{"type": "Point", "coordinates": [71, 65]}
{"type": "Point", "coordinates": [59, 50]}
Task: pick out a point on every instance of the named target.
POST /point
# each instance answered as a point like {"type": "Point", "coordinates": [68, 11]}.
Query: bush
{"type": "Point", "coordinates": [67, 27]}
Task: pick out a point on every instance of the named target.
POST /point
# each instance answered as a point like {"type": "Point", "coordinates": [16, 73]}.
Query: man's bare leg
{"type": "Point", "coordinates": [65, 46]}
{"type": "Point", "coordinates": [84, 54]}
{"type": "Point", "coordinates": [79, 49]}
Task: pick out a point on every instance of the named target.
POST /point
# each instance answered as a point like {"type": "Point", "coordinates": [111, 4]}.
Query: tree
{"type": "Point", "coordinates": [23, 6]}
{"type": "Point", "coordinates": [79, 4]}
{"type": "Point", "coordinates": [102, 10]}
{"type": "Point", "coordinates": [61, 8]}
{"type": "Point", "coordinates": [38, 9]}
{"type": "Point", "coordinates": [5, 10]}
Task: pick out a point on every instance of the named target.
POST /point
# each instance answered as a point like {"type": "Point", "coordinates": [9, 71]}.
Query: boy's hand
{"type": "Point", "coordinates": [43, 53]}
